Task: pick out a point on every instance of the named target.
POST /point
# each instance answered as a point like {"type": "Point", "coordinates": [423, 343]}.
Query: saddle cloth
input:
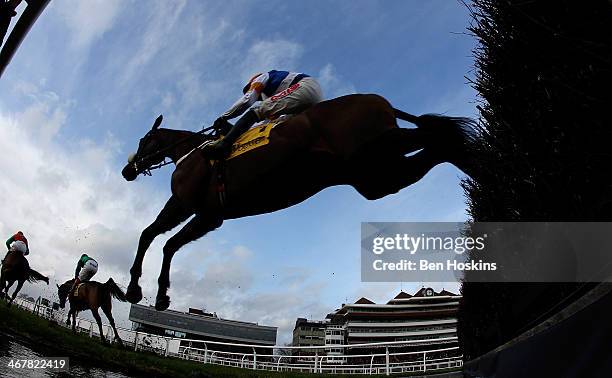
{"type": "Point", "coordinates": [76, 289]}
{"type": "Point", "coordinates": [257, 136]}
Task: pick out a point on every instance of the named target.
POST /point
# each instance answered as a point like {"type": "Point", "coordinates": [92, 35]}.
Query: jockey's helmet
{"type": "Point", "coordinates": [248, 85]}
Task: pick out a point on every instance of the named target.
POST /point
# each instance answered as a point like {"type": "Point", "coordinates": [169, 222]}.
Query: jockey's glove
{"type": "Point", "coordinates": [222, 125]}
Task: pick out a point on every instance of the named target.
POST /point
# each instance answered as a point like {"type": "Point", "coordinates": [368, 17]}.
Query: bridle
{"type": "Point", "coordinates": [147, 171]}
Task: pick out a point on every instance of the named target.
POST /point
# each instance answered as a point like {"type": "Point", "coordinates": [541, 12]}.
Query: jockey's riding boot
{"type": "Point", "coordinates": [221, 148]}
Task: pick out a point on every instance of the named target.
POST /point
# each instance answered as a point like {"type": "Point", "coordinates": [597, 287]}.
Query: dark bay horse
{"type": "Point", "coordinates": [91, 296]}
{"type": "Point", "coordinates": [15, 267]}
{"type": "Point", "coordinates": [351, 140]}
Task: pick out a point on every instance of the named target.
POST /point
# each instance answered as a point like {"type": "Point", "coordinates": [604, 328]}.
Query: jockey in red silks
{"type": "Point", "coordinates": [18, 242]}
{"type": "Point", "coordinates": [280, 92]}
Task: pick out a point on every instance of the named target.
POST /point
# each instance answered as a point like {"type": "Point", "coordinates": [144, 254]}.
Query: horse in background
{"type": "Point", "coordinates": [15, 267]}
{"type": "Point", "coordinates": [91, 295]}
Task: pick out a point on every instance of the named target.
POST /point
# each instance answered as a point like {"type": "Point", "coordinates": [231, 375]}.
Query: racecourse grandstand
{"type": "Point", "coordinates": [426, 320]}
{"type": "Point", "coordinates": [200, 325]}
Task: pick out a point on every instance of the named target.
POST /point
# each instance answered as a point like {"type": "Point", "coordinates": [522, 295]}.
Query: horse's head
{"type": "Point", "coordinates": [147, 155]}
{"type": "Point", "coordinates": [63, 291]}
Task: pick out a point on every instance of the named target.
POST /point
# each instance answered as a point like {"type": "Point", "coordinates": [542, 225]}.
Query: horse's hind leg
{"type": "Point", "coordinates": [8, 285]}
{"type": "Point", "coordinates": [19, 286]}
{"type": "Point", "coordinates": [171, 216]}
{"type": "Point", "coordinates": [107, 309]}
{"type": "Point", "coordinates": [197, 227]}
{"type": "Point", "coordinates": [392, 143]}
{"type": "Point", "coordinates": [96, 315]}
{"type": "Point", "coordinates": [380, 179]}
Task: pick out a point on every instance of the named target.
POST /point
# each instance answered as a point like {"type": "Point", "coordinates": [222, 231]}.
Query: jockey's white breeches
{"type": "Point", "coordinates": [19, 246]}
{"type": "Point", "coordinates": [89, 269]}
{"type": "Point", "coordinates": [298, 97]}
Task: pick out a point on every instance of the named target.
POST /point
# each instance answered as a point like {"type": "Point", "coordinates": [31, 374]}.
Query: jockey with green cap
{"type": "Point", "coordinates": [86, 268]}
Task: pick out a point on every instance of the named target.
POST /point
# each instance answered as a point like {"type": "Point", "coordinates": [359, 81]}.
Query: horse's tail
{"type": "Point", "coordinates": [455, 136]}
{"type": "Point", "coordinates": [35, 276]}
{"type": "Point", "coordinates": [428, 121]}
{"type": "Point", "coordinates": [114, 290]}
{"type": "Point", "coordinates": [405, 116]}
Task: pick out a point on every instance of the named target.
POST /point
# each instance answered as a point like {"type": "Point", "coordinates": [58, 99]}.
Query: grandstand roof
{"type": "Point", "coordinates": [364, 300]}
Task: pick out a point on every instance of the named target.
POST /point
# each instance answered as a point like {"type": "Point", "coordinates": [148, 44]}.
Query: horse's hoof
{"type": "Point", "coordinates": [133, 294]}
{"type": "Point", "coordinates": [162, 303]}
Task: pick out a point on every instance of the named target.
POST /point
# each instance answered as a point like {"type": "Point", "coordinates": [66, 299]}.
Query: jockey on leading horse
{"type": "Point", "coordinates": [19, 243]}
{"type": "Point", "coordinates": [86, 268]}
{"type": "Point", "coordinates": [281, 92]}
{"type": "Point", "coordinates": [15, 266]}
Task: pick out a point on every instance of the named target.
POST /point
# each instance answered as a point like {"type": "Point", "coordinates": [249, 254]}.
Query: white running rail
{"type": "Point", "coordinates": [277, 358]}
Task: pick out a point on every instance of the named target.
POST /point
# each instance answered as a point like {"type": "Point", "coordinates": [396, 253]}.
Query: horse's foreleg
{"type": "Point", "coordinates": [171, 216]}
{"type": "Point", "coordinates": [19, 286]}
{"type": "Point", "coordinates": [68, 320]}
{"type": "Point", "coordinates": [96, 315]}
{"type": "Point", "coordinates": [2, 284]}
{"type": "Point", "coordinates": [197, 227]}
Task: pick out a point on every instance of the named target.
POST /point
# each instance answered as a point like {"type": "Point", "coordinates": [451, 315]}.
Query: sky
{"type": "Point", "coordinates": [92, 75]}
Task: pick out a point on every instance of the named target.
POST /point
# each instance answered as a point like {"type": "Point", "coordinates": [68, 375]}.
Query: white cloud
{"type": "Point", "coordinates": [162, 19]}
{"type": "Point", "coordinates": [228, 286]}
{"type": "Point", "coordinates": [332, 84]}
{"type": "Point", "coordinates": [88, 20]}
{"type": "Point", "coordinates": [267, 55]}
{"type": "Point", "coordinates": [45, 115]}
